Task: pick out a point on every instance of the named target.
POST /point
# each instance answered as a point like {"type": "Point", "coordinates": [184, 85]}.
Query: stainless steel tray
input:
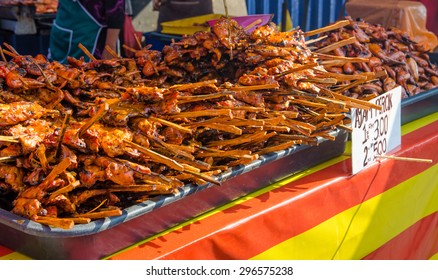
{"type": "Point", "coordinates": [103, 237]}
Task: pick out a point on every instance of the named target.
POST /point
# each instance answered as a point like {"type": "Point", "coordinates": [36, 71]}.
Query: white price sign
{"type": "Point", "coordinates": [376, 132]}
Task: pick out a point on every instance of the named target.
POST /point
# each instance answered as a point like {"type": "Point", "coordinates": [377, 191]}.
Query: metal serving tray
{"type": "Point", "coordinates": [103, 237]}
{"type": "Point", "coordinates": [422, 104]}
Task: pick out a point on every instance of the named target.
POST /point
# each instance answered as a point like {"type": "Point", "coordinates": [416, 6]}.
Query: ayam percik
{"type": "Point", "coordinates": [362, 116]}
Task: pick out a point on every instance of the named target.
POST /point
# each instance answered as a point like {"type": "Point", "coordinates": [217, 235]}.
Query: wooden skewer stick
{"type": "Point", "coordinates": [65, 189]}
{"type": "Point", "coordinates": [194, 98]}
{"type": "Point", "coordinates": [128, 48]}
{"type": "Point", "coordinates": [354, 101]}
{"type": "Point", "coordinates": [111, 51]}
{"type": "Point", "coordinates": [56, 222]}
{"type": "Point", "coordinates": [256, 87]}
{"type": "Point", "coordinates": [11, 139]}
{"type": "Point", "coordinates": [99, 114]}
{"type": "Point", "coordinates": [11, 54]}
{"type": "Point", "coordinates": [156, 156]}
{"type": "Point", "coordinates": [204, 113]}
{"type": "Point", "coordinates": [337, 62]}
{"type": "Point", "coordinates": [296, 69]}
{"type": "Point", "coordinates": [97, 207]}
{"type": "Point", "coordinates": [323, 56]}
{"type": "Point", "coordinates": [174, 149]}
{"type": "Point", "coordinates": [309, 42]}
{"type": "Point", "coordinates": [336, 45]}
{"type": "Point", "coordinates": [340, 77]}
{"type": "Point", "coordinates": [279, 147]}
{"type": "Point", "coordinates": [171, 124]}
{"type": "Point", "coordinates": [101, 214]}
{"type": "Point", "coordinates": [11, 49]}
{"type": "Point", "coordinates": [333, 26]}
{"type": "Point", "coordinates": [225, 127]}
{"type": "Point", "coordinates": [65, 122]}
{"type": "Point", "coordinates": [252, 24]}
{"type": "Point", "coordinates": [7, 159]}
{"type": "Point", "coordinates": [87, 52]}
{"type": "Point", "coordinates": [204, 177]}
{"type": "Point", "coordinates": [182, 87]}
{"type": "Point", "coordinates": [3, 55]}
{"type": "Point", "coordinates": [405, 158]}
{"type": "Point", "coordinates": [320, 80]}
{"type": "Point", "coordinates": [58, 169]}
{"type": "Point", "coordinates": [138, 40]}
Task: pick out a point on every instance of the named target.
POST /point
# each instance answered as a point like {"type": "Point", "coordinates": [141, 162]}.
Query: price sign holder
{"type": "Point", "coordinates": [376, 132]}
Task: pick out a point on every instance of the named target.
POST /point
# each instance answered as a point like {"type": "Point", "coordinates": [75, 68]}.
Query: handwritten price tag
{"type": "Point", "coordinates": [376, 132]}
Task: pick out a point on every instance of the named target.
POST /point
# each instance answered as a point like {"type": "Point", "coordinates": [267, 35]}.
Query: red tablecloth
{"type": "Point", "coordinates": [387, 211]}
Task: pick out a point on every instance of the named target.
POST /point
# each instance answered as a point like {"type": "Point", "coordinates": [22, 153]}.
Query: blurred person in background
{"type": "Point", "coordinates": [178, 9]}
{"type": "Point", "coordinates": [92, 23]}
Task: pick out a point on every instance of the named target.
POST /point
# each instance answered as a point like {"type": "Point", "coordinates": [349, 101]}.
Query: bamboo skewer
{"type": "Point", "coordinates": [10, 139]}
{"type": "Point", "coordinates": [225, 127]}
{"type": "Point", "coordinates": [7, 159]}
{"type": "Point", "coordinates": [297, 69]}
{"type": "Point", "coordinates": [279, 147]}
{"type": "Point", "coordinates": [99, 114]}
{"type": "Point", "coordinates": [65, 122]}
{"type": "Point", "coordinates": [243, 108]}
{"type": "Point", "coordinates": [354, 101]}
{"type": "Point", "coordinates": [100, 214]}
{"type": "Point", "coordinates": [256, 87]}
{"type": "Point", "coordinates": [182, 87]}
{"type": "Point", "coordinates": [3, 55]}
{"type": "Point", "coordinates": [138, 40]}
{"type": "Point", "coordinates": [58, 169]}
{"type": "Point", "coordinates": [319, 80]}
{"type": "Point", "coordinates": [65, 189]}
{"type": "Point", "coordinates": [204, 177]}
{"type": "Point", "coordinates": [337, 45]}
{"type": "Point", "coordinates": [333, 26]}
{"type": "Point", "coordinates": [195, 98]}
{"type": "Point", "coordinates": [171, 124]}
{"type": "Point", "coordinates": [405, 158]}
{"type": "Point", "coordinates": [203, 113]}
{"type": "Point", "coordinates": [87, 52]}
{"type": "Point", "coordinates": [11, 48]}
{"type": "Point", "coordinates": [309, 42]}
{"type": "Point", "coordinates": [111, 51]}
{"type": "Point", "coordinates": [156, 156]}
{"type": "Point", "coordinates": [420, 160]}
{"type": "Point", "coordinates": [252, 24]}
{"type": "Point", "coordinates": [238, 140]}
{"type": "Point", "coordinates": [324, 56]}
{"type": "Point", "coordinates": [66, 223]}
{"type": "Point", "coordinates": [341, 77]}
{"type": "Point", "coordinates": [174, 149]}
{"type": "Point", "coordinates": [98, 206]}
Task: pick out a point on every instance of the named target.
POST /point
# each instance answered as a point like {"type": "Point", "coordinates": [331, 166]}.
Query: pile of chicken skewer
{"type": "Point", "coordinates": [82, 141]}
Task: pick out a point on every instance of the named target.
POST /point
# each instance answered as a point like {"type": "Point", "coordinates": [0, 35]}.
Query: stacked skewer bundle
{"type": "Point", "coordinates": [82, 141]}
{"type": "Point", "coordinates": [404, 61]}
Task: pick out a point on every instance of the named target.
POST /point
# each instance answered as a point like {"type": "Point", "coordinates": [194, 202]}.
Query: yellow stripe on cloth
{"type": "Point", "coordinates": [414, 125]}
{"type": "Point", "coordinates": [15, 256]}
{"type": "Point", "coordinates": [360, 230]}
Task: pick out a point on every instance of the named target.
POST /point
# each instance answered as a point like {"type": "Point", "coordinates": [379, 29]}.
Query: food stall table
{"type": "Point", "coordinates": [387, 211]}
